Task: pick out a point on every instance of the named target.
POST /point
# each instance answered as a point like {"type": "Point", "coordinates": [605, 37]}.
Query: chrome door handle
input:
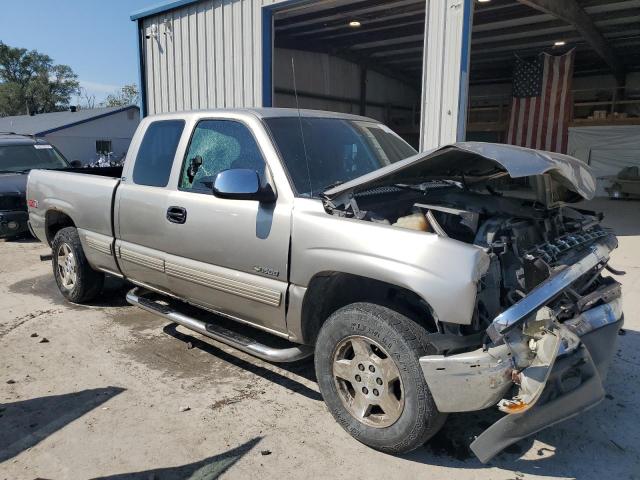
{"type": "Point", "coordinates": [176, 214]}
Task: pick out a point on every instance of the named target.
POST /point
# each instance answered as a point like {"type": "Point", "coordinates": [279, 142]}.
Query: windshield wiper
{"type": "Point", "coordinates": [429, 185]}
{"type": "Point", "coordinates": [14, 171]}
{"type": "Point", "coordinates": [331, 185]}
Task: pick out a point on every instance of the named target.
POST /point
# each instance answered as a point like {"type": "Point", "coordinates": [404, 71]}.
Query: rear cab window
{"type": "Point", "coordinates": [156, 153]}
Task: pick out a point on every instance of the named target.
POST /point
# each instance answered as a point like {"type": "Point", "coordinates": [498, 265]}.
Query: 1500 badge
{"type": "Point", "coordinates": [266, 271]}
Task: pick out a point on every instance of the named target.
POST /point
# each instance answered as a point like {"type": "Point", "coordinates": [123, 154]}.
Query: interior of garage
{"type": "Point", "coordinates": [366, 57]}
{"type": "Point", "coordinates": [345, 53]}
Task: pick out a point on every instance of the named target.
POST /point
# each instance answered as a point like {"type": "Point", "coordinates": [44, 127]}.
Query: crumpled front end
{"type": "Point", "coordinates": [537, 368]}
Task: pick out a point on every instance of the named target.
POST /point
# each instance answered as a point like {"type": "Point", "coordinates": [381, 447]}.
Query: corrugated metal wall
{"type": "Point", "coordinates": [204, 55]}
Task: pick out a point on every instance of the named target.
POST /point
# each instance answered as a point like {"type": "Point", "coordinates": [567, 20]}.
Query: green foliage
{"type": "Point", "coordinates": [31, 82]}
{"type": "Point", "coordinates": [127, 95]}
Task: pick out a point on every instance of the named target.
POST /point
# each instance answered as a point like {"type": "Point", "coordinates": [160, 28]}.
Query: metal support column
{"type": "Point", "coordinates": [445, 72]}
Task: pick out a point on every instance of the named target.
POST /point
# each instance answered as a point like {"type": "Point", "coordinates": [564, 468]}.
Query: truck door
{"type": "Point", "coordinates": [141, 204]}
{"type": "Point", "coordinates": [228, 255]}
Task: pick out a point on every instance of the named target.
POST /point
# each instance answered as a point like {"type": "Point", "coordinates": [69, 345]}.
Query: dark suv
{"type": "Point", "coordinates": [18, 155]}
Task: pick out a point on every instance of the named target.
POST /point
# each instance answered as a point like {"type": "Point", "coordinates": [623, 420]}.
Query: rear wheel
{"type": "Point", "coordinates": [370, 377]}
{"type": "Point", "coordinates": [76, 280]}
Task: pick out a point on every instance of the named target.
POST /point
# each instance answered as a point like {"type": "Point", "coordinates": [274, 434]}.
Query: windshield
{"type": "Point", "coordinates": [338, 150]}
{"type": "Point", "coordinates": [21, 158]}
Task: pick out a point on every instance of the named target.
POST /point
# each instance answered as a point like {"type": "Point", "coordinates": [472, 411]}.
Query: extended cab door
{"type": "Point", "coordinates": [228, 255]}
{"type": "Point", "coordinates": [141, 203]}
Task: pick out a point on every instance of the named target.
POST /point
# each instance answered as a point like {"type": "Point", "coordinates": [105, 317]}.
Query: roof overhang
{"type": "Point", "coordinates": [159, 8]}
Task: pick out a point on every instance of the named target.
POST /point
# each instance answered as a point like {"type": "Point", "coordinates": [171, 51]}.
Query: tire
{"type": "Point", "coordinates": [86, 283]}
{"type": "Point", "coordinates": [402, 341]}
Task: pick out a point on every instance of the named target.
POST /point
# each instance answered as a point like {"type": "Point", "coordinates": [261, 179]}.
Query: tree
{"type": "Point", "coordinates": [31, 82]}
{"type": "Point", "coordinates": [85, 99]}
{"type": "Point", "coordinates": [127, 95]}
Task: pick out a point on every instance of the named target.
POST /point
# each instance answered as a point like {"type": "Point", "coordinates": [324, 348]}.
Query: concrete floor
{"type": "Point", "coordinates": [117, 393]}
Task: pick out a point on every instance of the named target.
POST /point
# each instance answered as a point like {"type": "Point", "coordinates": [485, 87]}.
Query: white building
{"type": "Point", "coordinates": [81, 134]}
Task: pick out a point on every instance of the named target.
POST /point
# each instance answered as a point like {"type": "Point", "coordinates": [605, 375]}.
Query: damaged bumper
{"type": "Point", "coordinates": [575, 384]}
{"type": "Point", "coordinates": [559, 374]}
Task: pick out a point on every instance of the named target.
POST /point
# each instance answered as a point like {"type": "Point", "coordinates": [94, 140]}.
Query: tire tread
{"type": "Point", "coordinates": [90, 281]}
{"type": "Point", "coordinates": [415, 338]}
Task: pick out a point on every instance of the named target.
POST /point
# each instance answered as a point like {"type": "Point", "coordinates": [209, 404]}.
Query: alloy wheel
{"type": "Point", "coordinates": [368, 382]}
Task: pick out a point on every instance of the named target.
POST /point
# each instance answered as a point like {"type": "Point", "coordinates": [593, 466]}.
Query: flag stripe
{"type": "Point", "coordinates": [563, 104]}
{"type": "Point", "coordinates": [552, 104]}
{"type": "Point", "coordinates": [543, 102]}
{"type": "Point", "coordinates": [534, 126]}
{"type": "Point", "coordinates": [530, 122]}
{"type": "Point", "coordinates": [521, 109]}
{"type": "Point", "coordinates": [512, 123]}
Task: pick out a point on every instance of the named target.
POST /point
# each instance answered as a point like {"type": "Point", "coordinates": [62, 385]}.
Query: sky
{"type": "Point", "coordinates": [95, 38]}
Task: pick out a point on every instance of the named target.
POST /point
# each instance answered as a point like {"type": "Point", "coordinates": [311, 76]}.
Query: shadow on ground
{"type": "Point", "coordinates": [26, 238]}
{"type": "Point", "coordinates": [44, 286]}
{"type": "Point", "coordinates": [206, 469]}
{"type": "Point", "coordinates": [26, 423]}
{"type": "Point", "coordinates": [620, 215]}
{"type": "Point", "coordinates": [304, 368]}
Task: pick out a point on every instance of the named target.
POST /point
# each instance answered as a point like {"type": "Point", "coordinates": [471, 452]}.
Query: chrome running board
{"type": "Point", "coordinates": [248, 345]}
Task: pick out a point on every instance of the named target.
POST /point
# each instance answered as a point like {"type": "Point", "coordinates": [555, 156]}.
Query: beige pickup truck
{"type": "Point", "coordinates": [423, 282]}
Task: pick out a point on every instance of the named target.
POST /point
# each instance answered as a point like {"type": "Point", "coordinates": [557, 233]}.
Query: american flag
{"type": "Point", "coordinates": [541, 104]}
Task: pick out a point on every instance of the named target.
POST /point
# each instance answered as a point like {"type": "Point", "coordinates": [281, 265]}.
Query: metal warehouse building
{"type": "Point", "coordinates": [237, 53]}
{"type": "Point", "coordinates": [436, 71]}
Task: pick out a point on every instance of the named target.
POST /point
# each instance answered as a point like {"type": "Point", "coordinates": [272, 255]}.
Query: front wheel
{"type": "Point", "coordinates": [368, 371]}
{"type": "Point", "coordinates": [76, 280]}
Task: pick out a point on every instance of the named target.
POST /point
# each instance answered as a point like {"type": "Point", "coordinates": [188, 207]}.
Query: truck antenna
{"type": "Point", "coordinates": [304, 145]}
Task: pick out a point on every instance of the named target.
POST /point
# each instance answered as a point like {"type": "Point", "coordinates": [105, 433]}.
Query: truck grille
{"type": "Point", "coordinates": [12, 202]}
{"type": "Point", "coordinates": [551, 251]}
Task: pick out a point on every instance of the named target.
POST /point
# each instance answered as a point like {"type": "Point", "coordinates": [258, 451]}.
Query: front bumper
{"type": "Point", "coordinates": [13, 223]}
{"type": "Point", "coordinates": [559, 368]}
{"type": "Point", "coordinates": [575, 384]}
{"type": "Point", "coordinates": [571, 384]}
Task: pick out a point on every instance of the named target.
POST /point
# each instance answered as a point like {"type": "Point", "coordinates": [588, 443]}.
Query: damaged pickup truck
{"type": "Point", "coordinates": [424, 282]}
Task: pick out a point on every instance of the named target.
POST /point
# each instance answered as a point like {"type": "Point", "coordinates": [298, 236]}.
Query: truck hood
{"type": "Point", "coordinates": [473, 162]}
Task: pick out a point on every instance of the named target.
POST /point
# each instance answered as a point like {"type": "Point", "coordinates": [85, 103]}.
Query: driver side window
{"type": "Point", "coordinates": [218, 145]}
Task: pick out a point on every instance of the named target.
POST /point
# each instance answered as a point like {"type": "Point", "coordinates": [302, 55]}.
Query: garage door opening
{"type": "Point", "coordinates": [359, 57]}
{"type": "Point", "coordinates": [562, 79]}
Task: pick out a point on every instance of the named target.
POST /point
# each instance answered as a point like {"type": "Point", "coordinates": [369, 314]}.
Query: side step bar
{"type": "Point", "coordinates": [221, 334]}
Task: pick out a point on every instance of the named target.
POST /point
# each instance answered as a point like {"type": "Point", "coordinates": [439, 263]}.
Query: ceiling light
{"type": "Point", "coordinates": [354, 23]}
{"type": "Point", "coordinates": [559, 43]}
{"type": "Point", "coordinates": [484, 1]}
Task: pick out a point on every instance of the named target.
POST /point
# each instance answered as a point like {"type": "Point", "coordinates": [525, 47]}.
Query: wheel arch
{"type": "Point", "coordinates": [331, 290]}
{"type": "Point", "coordinates": [54, 221]}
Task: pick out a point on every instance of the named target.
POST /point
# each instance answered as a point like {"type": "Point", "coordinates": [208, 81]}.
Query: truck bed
{"type": "Point", "coordinates": [115, 172]}
{"type": "Point", "coordinates": [85, 194]}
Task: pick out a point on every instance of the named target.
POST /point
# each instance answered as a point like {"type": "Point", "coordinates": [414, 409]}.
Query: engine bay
{"type": "Point", "coordinates": [526, 240]}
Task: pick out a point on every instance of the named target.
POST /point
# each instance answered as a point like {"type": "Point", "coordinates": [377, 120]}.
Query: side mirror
{"type": "Point", "coordinates": [75, 164]}
{"type": "Point", "coordinates": [242, 184]}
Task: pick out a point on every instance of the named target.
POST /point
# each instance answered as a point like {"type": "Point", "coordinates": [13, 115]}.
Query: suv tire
{"type": "Point", "coordinates": [76, 280]}
{"type": "Point", "coordinates": [371, 345]}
